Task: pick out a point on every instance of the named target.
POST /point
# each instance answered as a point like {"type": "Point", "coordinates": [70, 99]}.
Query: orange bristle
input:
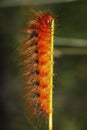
{"type": "Point", "coordinates": [36, 66]}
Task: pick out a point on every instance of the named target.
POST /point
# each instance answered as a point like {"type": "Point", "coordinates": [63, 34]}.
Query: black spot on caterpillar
{"type": "Point", "coordinates": [35, 72]}
{"type": "Point", "coordinates": [35, 94]}
{"type": "Point", "coordinates": [33, 43]}
{"type": "Point", "coordinates": [35, 105]}
{"type": "Point", "coordinates": [36, 83]}
{"type": "Point", "coordinates": [33, 34]}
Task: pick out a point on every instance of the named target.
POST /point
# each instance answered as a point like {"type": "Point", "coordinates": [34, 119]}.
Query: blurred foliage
{"type": "Point", "coordinates": [70, 91]}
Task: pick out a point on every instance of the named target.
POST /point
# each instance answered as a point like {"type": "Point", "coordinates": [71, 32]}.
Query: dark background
{"type": "Point", "coordinates": [70, 68]}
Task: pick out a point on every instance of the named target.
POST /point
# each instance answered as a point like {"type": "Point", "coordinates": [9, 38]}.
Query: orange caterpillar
{"type": "Point", "coordinates": [38, 67]}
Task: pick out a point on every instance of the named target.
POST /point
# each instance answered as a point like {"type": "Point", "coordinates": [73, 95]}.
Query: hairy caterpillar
{"type": "Point", "coordinates": [37, 51]}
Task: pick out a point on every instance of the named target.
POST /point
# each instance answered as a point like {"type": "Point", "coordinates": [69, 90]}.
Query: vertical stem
{"type": "Point", "coordinates": [51, 80]}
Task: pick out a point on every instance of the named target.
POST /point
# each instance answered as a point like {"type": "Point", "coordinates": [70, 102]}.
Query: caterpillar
{"type": "Point", "coordinates": [37, 52]}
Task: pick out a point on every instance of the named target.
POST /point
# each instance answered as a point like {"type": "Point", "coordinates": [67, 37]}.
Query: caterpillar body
{"type": "Point", "coordinates": [38, 68]}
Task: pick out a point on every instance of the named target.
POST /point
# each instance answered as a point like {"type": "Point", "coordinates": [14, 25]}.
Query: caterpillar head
{"type": "Point", "coordinates": [48, 20]}
{"type": "Point", "coordinates": [45, 20]}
